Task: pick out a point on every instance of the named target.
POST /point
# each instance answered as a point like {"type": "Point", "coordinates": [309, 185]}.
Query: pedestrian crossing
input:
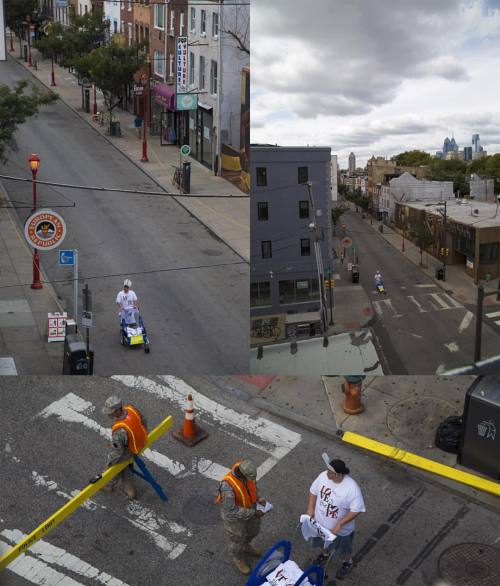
{"type": "Point", "coordinates": [418, 304]}
{"type": "Point", "coordinates": [494, 316]}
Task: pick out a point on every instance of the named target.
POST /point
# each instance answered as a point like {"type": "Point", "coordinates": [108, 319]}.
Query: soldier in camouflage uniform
{"type": "Point", "coordinates": [238, 496]}
{"type": "Point", "coordinates": [120, 449]}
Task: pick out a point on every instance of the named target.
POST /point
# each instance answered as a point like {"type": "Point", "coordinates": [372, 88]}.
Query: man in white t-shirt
{"type": "Point", "coordinates": [126, 298]}
{"type": "Point", "coordinates": [335, 500]}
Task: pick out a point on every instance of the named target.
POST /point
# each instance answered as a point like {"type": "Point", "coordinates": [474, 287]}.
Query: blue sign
{"type": "Point", "coordinates": [66, 258]}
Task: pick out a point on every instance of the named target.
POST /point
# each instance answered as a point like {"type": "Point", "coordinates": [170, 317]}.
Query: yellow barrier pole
{"type": "Point", "coordinates": [70, 507]}
{"type": "Point", "coordinates": [422, 463]}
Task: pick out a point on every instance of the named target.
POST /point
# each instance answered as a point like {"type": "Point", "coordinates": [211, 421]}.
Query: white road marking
{"type": "Point", "coordinates": [452, 347]}
{"type": "Point", "coordinates": [38, 571]}
{"type": "Point", "coordinates": [497, 322]}
{"type": "Point", "coordinates": [419, 307]}
{"type": "Point", "coordinates": [267, 436]}
{"type": "Point", "coordinates": [441, 303]}
{"type": "Point", "coordinates": [387, 303]}
{"type": "Point", "coordinates": [423, 286]}
{"type": "Point", "coordinates": [493, 314]}
{"type": "Point", "coordinates": [440, 369]}
{"type": "Point", "coordinates": [145, 519]}
{"type": "Point", "coordinates": [464, 324]}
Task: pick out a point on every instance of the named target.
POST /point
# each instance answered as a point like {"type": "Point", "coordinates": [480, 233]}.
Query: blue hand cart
{"type": "Point", "coordinates": [273, 558]}
{"type": "Point", "coordinates": [132, 330]}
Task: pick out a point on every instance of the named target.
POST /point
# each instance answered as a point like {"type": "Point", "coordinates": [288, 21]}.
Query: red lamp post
{"type": "Point", "coordinates": [145, 99]}
{"type": "Point", "coordinates": [28, 20]}
{"type": "Point", "coordinates": [52, 74]}
{"type": "Point", "coordinates": [34, 162]}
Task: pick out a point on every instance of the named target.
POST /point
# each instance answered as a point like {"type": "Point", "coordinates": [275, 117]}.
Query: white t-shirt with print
{"type": "Point", "coordinates": [126, 300]}
{"type": "Point", "coordinates": [335, 501]}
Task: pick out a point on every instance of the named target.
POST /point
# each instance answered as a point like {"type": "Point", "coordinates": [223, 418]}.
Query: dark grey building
{"type": "Point", "coordinates": [284, 273]}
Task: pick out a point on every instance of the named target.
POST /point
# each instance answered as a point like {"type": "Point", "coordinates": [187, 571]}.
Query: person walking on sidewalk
{"type": "Point", "coordinates": [238, 497]}
{"type": "Point", "coordinates": [128, 437]}
{"type": "Point", "coordinates": [138, 125]}
{"type": "Point", "coordinates": [335, 500]}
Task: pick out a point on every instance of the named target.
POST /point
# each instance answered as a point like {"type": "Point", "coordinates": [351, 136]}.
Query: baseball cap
{"type": "Point", "coordinates": [112, 404]}
{"type": "Point", "coordinates": [127, 283]}
{"type": "Point", "coordinates": [248, 469]}
{"type": "Point", "coordinates": [337, 466]}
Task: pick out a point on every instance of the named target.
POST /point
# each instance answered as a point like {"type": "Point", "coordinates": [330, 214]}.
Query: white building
{"type": "Point", "coordinates": [219, 49]}
{"type": "Point", "coordinates": [482, 189]}
{"type": "Point", "coordinates": [83, 7]}
{"type": "Point", "coordinates": [112, 13]}
{"type": "Point", "coordinates": [406, 188]}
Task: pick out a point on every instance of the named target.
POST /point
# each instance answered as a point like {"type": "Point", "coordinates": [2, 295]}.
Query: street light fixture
{"type": "Point", "coordinates": [34, 162]}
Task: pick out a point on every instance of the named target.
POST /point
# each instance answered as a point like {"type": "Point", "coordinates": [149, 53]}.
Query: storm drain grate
{"type": "Point", "coordinates": [470, 564]}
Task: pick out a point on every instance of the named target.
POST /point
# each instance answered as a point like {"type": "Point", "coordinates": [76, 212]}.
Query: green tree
{"type": "Point", "coordinates": [16, 12]}
{"type": "Point", "coordinates": [84, 33]}
{"type": "Point", "coordinates": [15, 108]}
{"type": "Point", "coordinates": [52, 44]}
{"type": "Point", "coordinates": [413, 158]}
{"type": "Point", "coordinates": [111, 68]}
{"type": "Point", "coordinates": [337, 213]}
{"type": "Point", "coordinates": [452, 170]}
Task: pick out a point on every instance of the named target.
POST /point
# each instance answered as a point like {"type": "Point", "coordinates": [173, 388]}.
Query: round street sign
{"type": "Point", "coordinates": [185, 150]}
{"type": "Point", "coordinates": [45, 230]}
{"type": "Point", "coordinates": [346, 242]}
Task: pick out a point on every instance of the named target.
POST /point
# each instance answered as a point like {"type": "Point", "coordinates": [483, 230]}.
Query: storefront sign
{"type": "Point", "coordinates": [182, 64]}
{"type": "Point", "coordinates": [45, 230]}
{"type": "Point", "coordinates": [61, 3]}
{"type": "Point", "coordinates": [187, 102]}
{"type": "Point", "coordinates": [138, 89]}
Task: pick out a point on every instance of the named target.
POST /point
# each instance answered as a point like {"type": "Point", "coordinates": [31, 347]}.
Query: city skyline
{"type": "Point", "coordinates": [401, 77]}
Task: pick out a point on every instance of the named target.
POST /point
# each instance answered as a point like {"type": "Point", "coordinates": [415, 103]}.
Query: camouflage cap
{"type": "Point", "coordinates": [248, 469]}
{"type": "Point", "coordinates": [112, 404]}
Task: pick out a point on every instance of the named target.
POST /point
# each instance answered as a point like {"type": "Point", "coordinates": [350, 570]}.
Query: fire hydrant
{"type": "Point", "coordinates": [352, 395]}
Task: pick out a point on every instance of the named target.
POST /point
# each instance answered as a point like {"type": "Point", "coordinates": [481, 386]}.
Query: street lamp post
{"type": "Point", "coordinates": [145, 98]}
{"type": "Point", "coordinates": [95, 100]}
{"type": "Point", "coordinates": [52, 73]}
{"type": "Point", "coordinates": [30, 61]}
{"type": "Point", "coordinates": [34, 162]}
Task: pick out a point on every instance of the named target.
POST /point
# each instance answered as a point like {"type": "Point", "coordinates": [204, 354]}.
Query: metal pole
{"type": "Point", "coordinates": [52, 73]}
{"type": "Point", "coordinates": [75, 287]}
{"type": "Point", "coordinates": [444, 242]}
{"type": "Point", "coordinates": [36, 284]}
{"type": "Point", "coordinates": [144, 158]}
{"type": "Point", "coordinates": [331, 302]}
{"type": "Point", "coordinates": [95, 100]}
{"type": "Point", "coordinates": [479, 323]}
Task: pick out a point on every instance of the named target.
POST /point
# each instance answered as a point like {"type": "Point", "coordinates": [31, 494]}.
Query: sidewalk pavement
{"type": "Point", "coordinates": [23, 312]}
{"type": "Point", "coordinates": [228, 219]}
{"type": "Point", "coordinates": [402, 411]}
{"type": "Point", "coordinates": [458, 283]}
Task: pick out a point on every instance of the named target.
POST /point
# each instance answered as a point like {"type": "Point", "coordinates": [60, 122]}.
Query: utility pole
{"type": "Point", "coordinates": [87, 309]}
{"type": "Point", "coordinates": [319, 259]}
{"type": "Point", "coordinates": [444, 242]}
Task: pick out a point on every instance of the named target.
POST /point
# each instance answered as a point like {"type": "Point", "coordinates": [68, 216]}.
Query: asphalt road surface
{"type": "Point", "coordinates": [53, 441]}
{"type": "Point", "coordinates": [421, 328]}
{"type": "Point", "coordinates": [197, 318]}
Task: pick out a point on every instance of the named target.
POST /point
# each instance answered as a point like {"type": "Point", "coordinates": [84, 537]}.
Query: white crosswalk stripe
{"type": "Point", "coordinates": [492, 315]}
{"type": "Point", "coordinates": [382, 304]}
{"type": "Point", "coordinates": [422, 303]}
{"type": "Point", "coordinates": [419, 306]}
{"type": "Point", "coordinates": [441, 299]}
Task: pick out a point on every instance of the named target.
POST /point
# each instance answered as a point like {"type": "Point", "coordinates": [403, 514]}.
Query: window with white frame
{"type": "Point", "coordinates": [191, 68]}
{"type": "Point", "coordinates": [213, 77]}
{"type": "Point", "coordinates": [159, 63]}
{"type": "Point", "coordinates": [172, 22]}
{"type": "Point", "coordinates": [192, 20]}
{"type": "Point", "coordinates": [160, 16]}
{"type": "Point", "coordinates": [202, 73]}
{"type": "Point", "coordinates": [171, 66]}
{"type": "Point", "coordinates": [181, 23]}
{"type": "Point", "coordinates": [203, 22]}
{"type": "Point", "coordinates": [215, 25]}
{"type": "Point", "coordinates": [130, 6]}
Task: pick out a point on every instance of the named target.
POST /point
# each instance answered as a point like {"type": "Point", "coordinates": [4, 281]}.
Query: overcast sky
{"type": "Point", "coordinates": [376, 77]}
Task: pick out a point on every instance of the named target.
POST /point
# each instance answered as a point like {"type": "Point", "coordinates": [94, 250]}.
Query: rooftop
{"type": "Point", "coordinates": [472, 213]}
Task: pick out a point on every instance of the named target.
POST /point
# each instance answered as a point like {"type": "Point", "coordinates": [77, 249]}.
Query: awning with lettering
{"type": "Point", "coordinates": [165, 95]}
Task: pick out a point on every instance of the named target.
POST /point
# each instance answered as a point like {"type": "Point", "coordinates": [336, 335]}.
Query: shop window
{"type": "Point", "coordinates": [267, 248]}
{"type": "Point", "coordinates": [298, 291]}
{"type": "Point", "coordinates": [260, 294]}
{"type": "Point", "coordinates": [261, 173]}
{"type": "Point", "coordinates": [303, 209]}
{"type": "Point", "coordinates": [488, 253]}
{"type": "Point", "coordinates": [262, 211]}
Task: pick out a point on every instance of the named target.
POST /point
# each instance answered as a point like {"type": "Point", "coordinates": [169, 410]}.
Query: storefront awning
{"type": "Point", "coordinates": [165, 95]}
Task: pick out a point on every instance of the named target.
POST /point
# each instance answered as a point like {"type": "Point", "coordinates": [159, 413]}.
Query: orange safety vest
{"type": "Point", "coordinates": [245, 494]}
{"type": "Point", "coordinates": [136, 432]}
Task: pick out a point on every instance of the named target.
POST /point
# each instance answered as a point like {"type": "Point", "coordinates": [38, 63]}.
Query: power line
{"type": "Point", "coordinates": [122, 190]}
{"type": "Point", "coordinates": [114, 275]}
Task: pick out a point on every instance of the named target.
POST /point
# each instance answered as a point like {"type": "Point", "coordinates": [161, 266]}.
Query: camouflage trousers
{"type": "Point", "coordinates": [239, 533]}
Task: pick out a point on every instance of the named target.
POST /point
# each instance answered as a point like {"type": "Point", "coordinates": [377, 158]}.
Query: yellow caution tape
{"type": "Point", "coordinates": [71, 506]}
{"type": "Point", "coordinates": [422, 463]}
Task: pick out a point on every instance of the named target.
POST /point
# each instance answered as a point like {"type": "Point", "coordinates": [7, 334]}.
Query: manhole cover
{"type": "Point", "coordinates": [470, 564]}
{"type": "Point", "coordinates": [414, 421]}
{"type": "Point", "coordinates": [201, 510]}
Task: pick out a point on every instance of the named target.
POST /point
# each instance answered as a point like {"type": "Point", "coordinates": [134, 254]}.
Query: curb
{"type": "Point", "coordinates": [381, 449]}
{"type": "Point", "coordinates": [89, 123]}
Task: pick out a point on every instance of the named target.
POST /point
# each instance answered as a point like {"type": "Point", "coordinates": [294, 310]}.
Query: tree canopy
{"type": "Point", "coordinates": [16, 12]}
{"type": "Point", "coordinates": [413, 158]}
{"type": "Point", "coordinates": [15, 108]}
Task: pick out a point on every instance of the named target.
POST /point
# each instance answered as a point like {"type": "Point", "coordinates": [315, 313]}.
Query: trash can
{"type": "Point", "coordinates": [355, 276]}
{"type": "Point", "coordinates": [87, 101]}
{"type": "Point", "coordinates": [25, 49]}
{"type": "Point", "coordinates": [116, 128]}
{"type": "Point", "coordinates": [75, 356]}
{"type": "Point", "coordinates": [480, 442]}
{"type": "Point", "coordinates": [186, 177]}
{"type": "Point", "coordinates": [439, 274]}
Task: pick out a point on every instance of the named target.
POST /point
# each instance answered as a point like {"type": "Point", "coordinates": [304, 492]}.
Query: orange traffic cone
{"type": "Point", "coordinates": [190, 434]}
